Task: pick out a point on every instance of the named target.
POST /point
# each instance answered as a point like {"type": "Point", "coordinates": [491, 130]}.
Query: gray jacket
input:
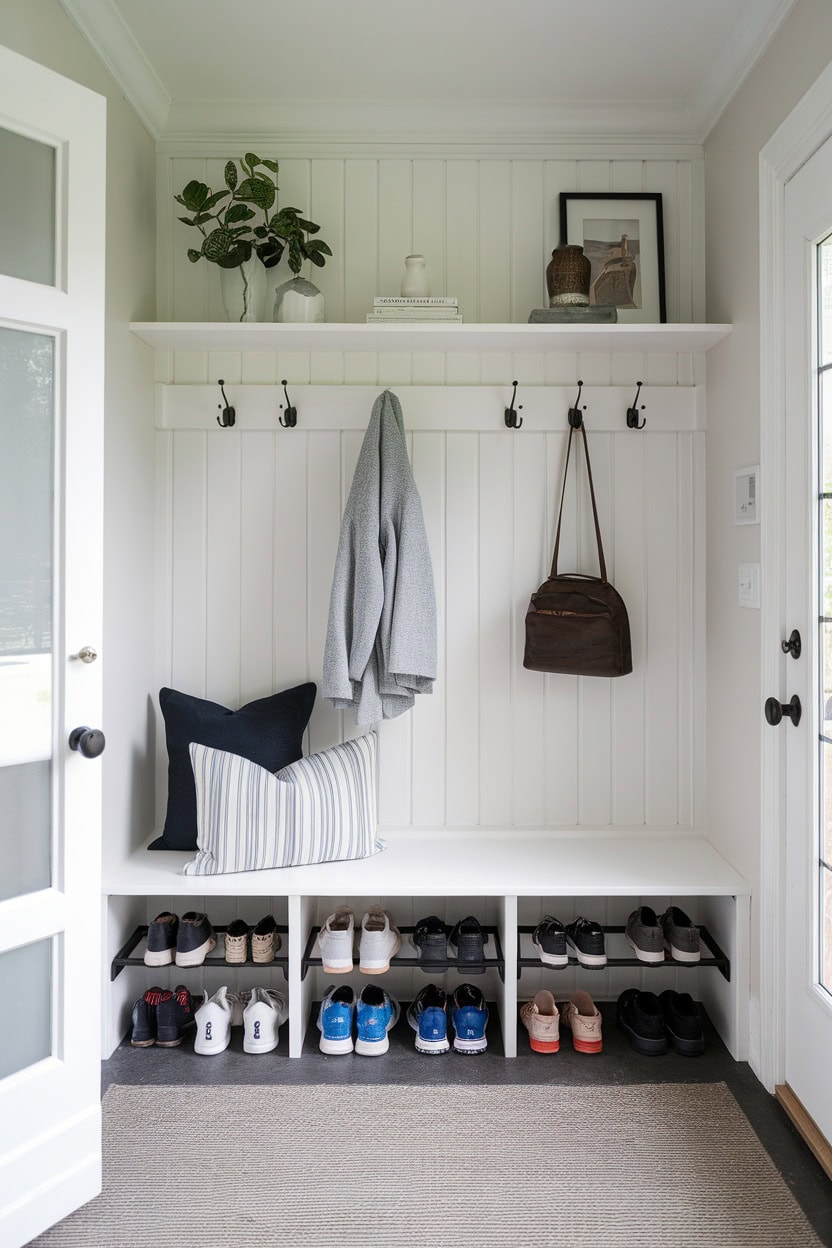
{"type": "Point", "coordinates": [381, 634]}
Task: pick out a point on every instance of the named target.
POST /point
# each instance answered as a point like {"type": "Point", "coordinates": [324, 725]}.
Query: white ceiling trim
{"type": "Point", "coordinates": [104, 28]}
{"type": "Point", "coordinates": [436, 121]}
{"type": "Point", "coordinates": [737, 57]}
{"type": "Point", "coordinates": [447, 123]}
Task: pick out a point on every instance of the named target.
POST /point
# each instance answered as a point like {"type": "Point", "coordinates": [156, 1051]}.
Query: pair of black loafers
{"type": "Point", "coordinates": [655, 1023]}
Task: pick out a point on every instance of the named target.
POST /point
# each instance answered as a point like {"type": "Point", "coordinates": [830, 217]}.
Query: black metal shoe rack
{"type": "Point", "coordinates": [492, 949]}
{"type": "Point", "coordinates": [125, 956]}
{"type": "Point", "coordinates": [714, 957]}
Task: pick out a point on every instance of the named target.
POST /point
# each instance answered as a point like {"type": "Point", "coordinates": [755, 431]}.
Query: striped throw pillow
{"type": "Point", "coordinates": [320, 809]}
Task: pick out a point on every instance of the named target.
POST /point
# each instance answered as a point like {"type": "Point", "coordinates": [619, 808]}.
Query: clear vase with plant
{"type": "Point", "coordinates": [243, 251]}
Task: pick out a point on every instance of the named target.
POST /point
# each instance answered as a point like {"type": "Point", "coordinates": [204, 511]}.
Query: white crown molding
{"type": "Point", "coordinates": [737, 57]}
{"type": "Point", "coordinates": [104, 28]}
{"type": "Point", "coordinates": [417, 122]}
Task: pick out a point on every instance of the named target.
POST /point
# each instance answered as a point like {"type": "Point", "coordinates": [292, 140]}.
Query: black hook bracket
{"type": "Point", "coordinates": [512, 419]}
{"type": "Point", "coordinates": [632, 412]}
{"type": "Point", "coordinates": [576, 414]}
{"type": "Point", "coordinates": [291, 413]}
{"type": "Point", "coordinates": [229, 416]}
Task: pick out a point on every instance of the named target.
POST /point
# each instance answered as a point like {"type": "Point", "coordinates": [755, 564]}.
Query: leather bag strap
{"type": "Point", "coordinates": [601, 561]}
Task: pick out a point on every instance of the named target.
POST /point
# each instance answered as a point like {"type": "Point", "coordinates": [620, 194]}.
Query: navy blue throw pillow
{"type": "Point", "coordinates": [268, 731]}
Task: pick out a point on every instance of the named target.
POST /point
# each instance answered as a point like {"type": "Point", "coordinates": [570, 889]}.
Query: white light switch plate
{"type": "Point", "coordinates": [748, 584]}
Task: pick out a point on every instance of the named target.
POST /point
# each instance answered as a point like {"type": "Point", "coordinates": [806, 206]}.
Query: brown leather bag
{"type": "Point", "coordinates": [578, 624]}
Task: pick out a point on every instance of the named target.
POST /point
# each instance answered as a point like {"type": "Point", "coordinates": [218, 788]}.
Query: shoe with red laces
{"type": "Point", "coordinates": [144, 1017]}
{"type": "Point", "coordinates": [175, 1013]}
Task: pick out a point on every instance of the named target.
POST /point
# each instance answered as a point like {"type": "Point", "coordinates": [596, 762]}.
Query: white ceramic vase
{"type": "Point", "coordinates": [298, 301]}
{"type": "Point", "coordinates": [415, 284]}
{"type": "Point", "coordinates": [243, 291]}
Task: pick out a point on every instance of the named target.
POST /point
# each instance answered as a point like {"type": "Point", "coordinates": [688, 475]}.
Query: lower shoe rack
{"type": "Point", "coordinates": [710, 954]}
{"type": "Point", "coordinates": [492, 960]}
{"type": "Point", "coordinates": [127, 955]}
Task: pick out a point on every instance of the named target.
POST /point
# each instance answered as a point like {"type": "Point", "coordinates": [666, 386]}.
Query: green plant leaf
{"type": "Point", "coordinates": [309, 226]}
{"type": "Point", "coordinates": [230, 174]}
{"type": "Point", "coordinates": [317, 244]}
{"type": "Point", "coordinates": [256, 192]}
{"type": "Point", "coordinates": [218, 244]}
{"type": "Point", "coordinates": [260, 230]}
{"type": "Point", "coordinates": [295, 255]}
{"type": "Point", "coordinates": [317, 259]}
{"type": "Point", "coordinates": [263, 177]}
{"type": "Point", "coordinates": [213, 199]}
{"type": "Point", "coordinates": [188, 220]}
{"type": "Point", "coordinates": [194, 255]}
{"type": "Point", "coordinates": [194, 195]}
{"type": "Point", "coordinates": [252, 161]}
{"type": "Point", "coordinates": [238, 212]}
{"type": "Point", "coordinates": [270, 164]}
{"type": "Point", "coordinates": [203, 217]}
{"type": "Point", "coordinates": [270, 253]}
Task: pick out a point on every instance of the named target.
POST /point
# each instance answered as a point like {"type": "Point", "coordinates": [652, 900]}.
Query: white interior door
{"type": "Point", "coordinates": [808, 563]}
{"type": "Point", "coordinates": [52, 184]}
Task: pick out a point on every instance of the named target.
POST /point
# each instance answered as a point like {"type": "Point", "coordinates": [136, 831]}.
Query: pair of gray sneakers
{"type": "Point", "coordinates": [650, 935]}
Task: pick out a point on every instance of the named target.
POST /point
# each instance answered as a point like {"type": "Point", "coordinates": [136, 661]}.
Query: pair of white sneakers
{"type": "Point", "coordinates": [261, 1011]}
{"type": "Point", "coordinates": [380, 941]}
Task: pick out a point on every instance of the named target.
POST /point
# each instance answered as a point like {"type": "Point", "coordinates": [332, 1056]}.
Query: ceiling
{"type": "Point", "coordinates": [196, 68]}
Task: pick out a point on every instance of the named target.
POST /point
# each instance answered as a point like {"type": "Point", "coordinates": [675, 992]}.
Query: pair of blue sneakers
{"type": "Point", "coordinates": [371, 1017]}
{"type": "Point", "coordinates": [428, 1016]}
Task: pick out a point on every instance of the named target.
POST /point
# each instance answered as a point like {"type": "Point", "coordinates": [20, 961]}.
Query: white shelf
{"type": "Point", "coordinates": [490, 865]}
{"type": "Point", "coordinates": [218, 336]}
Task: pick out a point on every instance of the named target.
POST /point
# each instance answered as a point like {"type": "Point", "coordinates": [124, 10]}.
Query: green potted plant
{"type": "Point", "coordinates": [241, 249]}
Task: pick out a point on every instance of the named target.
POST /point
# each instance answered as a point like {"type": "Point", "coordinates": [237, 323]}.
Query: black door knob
{"type": "Point", "coordinates": [793, 646]}
{"type": "Point", "coordinates": [776, 710]}
{"type": "Point", "coordinates": [88, 741]}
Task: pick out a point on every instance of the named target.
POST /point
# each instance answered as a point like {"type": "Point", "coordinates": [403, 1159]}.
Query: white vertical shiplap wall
{"type": "Point", "coordinates": [248, 529]}
{"type": "Point", "coordinates": [486, 224]}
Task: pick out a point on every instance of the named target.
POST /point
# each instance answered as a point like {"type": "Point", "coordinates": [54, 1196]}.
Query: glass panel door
{"type": "Point", "coordinates": [27, 208]}
{"type": "Point", "coordinates": [27, 366]}
{"type": "Point", "coordinates": [824, 392]}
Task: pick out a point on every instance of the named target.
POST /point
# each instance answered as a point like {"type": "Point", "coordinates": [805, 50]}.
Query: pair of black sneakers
{"type": "Point", "coordinates": [187, 942]}
{"type": "Point", "coordinates": [162, 1017]}
{"type": "Point", "coordinates": [438, 943]}
{"type": "Point", "coordinates": [654, 1023]}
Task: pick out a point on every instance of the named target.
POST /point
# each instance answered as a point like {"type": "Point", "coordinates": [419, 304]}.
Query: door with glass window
{"type": "Point", "coordinates": [52, 183]}
{"type": "Point", "coordinates": [807, 556]}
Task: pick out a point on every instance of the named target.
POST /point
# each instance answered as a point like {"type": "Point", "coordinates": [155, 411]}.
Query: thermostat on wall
{"type": "Point", "coordinates": [747, 495]}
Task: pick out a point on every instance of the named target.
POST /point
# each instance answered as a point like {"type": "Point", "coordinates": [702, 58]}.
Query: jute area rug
{"type": "Point", "coordinates": [652, 1166]}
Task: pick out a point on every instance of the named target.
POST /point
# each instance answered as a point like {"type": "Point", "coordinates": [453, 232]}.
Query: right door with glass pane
{"type": "Point", "coordinates": [807, 559]}
{"type": "Point", "coordinates": [52, 183]}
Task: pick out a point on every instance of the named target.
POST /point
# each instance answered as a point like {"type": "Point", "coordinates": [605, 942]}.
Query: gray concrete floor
{"type": "Point", "coordinates": [618, 1064]}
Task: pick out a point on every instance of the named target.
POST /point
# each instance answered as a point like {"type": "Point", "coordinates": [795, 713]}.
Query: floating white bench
{"type": "Point", "coordinates": [503, 866]}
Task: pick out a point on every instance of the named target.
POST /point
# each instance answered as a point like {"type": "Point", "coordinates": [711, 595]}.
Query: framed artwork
{"type": "Point", "coordinates": [623, 237]}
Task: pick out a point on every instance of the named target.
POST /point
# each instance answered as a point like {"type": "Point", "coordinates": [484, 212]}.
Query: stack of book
{"type": "Point", "coordinates": [396, 308]}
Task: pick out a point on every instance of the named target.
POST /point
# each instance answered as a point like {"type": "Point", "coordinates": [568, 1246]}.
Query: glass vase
{"type": "Point", "coordinates": [243, 291]}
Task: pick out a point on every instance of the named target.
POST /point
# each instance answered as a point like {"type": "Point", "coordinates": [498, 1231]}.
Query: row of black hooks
{"type": "Point", "coordinates": [228, 416]}
{"type": "Point", "coordinates": [576, 412]}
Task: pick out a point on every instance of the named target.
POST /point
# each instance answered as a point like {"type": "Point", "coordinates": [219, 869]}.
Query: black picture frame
{"type": "Point", "coordinates": [644, 280]}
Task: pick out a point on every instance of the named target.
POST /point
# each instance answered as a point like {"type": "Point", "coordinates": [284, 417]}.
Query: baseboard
{"type": "Point", "coordinates": [50, 1203]}
{"type": "Point", "coordinates": [806, 1127]}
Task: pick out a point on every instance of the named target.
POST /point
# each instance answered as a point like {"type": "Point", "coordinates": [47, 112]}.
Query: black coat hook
{"type": "Point", "coordinates": [512, 420]}
{"type": "Point", "coordinates": [632, 412]}
{"type": "Point", "coordinates": [291, 413]}
{"type": "Point", "coordinates": [229, 416]}
{"type": "Point", "coordinates": [576, 414]}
